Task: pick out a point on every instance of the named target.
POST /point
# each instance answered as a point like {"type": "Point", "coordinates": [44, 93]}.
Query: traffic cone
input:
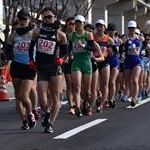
{"type": "Point", "coordinates": [3, 89]}
{"type": "Point", "coordinates": [6, 72]}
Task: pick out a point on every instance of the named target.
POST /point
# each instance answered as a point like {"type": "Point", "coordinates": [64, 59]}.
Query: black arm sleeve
{"type": "Point", "coordinates": [63, 50]}
{"type": "Point", "coordinates": [31, 49]}
{"type": "Point", "coordinates": [122, 48]}
{"type": "Point", "coordinates": [70, 47]}
{"type": "Point", "coordinates": [114, 49]}
{"type": "Point", "coordinates": [1, 42]}
{"type": "Point", "coordinates": [90, 46]}
{"type": "Point", "coordinates": [9, 52]}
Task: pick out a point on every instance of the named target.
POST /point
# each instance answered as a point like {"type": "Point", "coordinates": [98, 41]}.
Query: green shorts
{"type": "Point", "coordinates": [83, 65]}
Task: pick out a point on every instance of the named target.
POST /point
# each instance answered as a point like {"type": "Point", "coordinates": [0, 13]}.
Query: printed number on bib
{"type": "Point", "coordinates": [46, 46]}
{"type": "Point", "coordinates": [23, 47]}
{"type": "Point", "coordinates": [78, 47]}
{"type": "Point", "coordinates": [103, 49]}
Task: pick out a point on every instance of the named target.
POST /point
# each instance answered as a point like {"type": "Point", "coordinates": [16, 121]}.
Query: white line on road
{"type": "Point", "coordinates": [141, 103]}
{"type": "Point", "coordinates": [12, 98]}
{"type": "Point", "coordinates": [64, 102]}
{"type": "Point", "coordinates": [74, 131]}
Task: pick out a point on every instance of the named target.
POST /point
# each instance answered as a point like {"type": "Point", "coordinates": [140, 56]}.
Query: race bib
{"type": "Point", "coordinates": [46, 46]}
{"type": "Point", "coordinates": [22, 47]}
{"type": "Point", "coordinates": [78, 47]}
{"type": "Point", "coordinates": [103, 49]}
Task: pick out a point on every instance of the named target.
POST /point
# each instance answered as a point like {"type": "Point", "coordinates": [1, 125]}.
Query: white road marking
{"type": "Point", "coordinates": [74, 131]}
{"type": "Point", "coordinates": [141, 103]}
{"type": "Point", "coordinates": [12, 98]}
{"type": "Point", "coordinates": [64, 102]}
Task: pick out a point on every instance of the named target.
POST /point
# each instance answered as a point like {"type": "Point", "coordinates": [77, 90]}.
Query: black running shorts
{"type": "Point", "coordinates": [21, 71]}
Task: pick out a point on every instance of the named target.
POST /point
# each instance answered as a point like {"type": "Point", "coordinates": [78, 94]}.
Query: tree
{"type": "Point", "coordinates": [63, 8]}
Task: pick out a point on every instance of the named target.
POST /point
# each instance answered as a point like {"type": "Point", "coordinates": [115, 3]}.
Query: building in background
{"type": "Point", "coordinates": [121, 11]}
{"type": "Point", "coordinates": [116, 11]}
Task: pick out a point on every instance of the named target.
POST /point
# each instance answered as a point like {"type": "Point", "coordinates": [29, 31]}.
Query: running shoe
{"type": "Point", "coordinates": [139, 99]}
{"type": "Point", "coordinates": [99, 109]}
{"type": "Point", "coordinates": [120, 95]}
{"type": "Point", "coordinates": [45, 118]}
{"type": "Point", "coordinates": [31, 120]}
{"type": "Point", "coordinates": [48, 128]}
{"type": "Point", "coordinates": [98, 101]}
{"type": "Point", "coordinates": [36, 114]}
{"type": "Point", "coordinates": [89, 112]}
{"type": "Point", "coordinates": [112, 104]}
{"type": "Point", "coordinates": [78, 112]}
{"type": "Point", "coordinates": [25, 125]}
{"type": "Point", "coordinates": [146, 94]}
{"type": "Point", "coordinates": [132, 103]}
{"type": "Point", "coordinates": [124, 98]}
{"type": "Point", "coordinates": [84, 107]}
{"type": "Point", "coordinates": [71, 111]}
{"type": "Point", "coordinates": [106, 104]}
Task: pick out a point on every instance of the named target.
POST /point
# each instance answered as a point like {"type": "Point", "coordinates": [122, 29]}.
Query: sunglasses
{"type": "Point", "coordinates": [99, 25]}
{"type": "Point", "coordinates": [48, 17]}
{"type": "Point", "coordinates": [71, 23]}
{"type": "Point", "coordinates": [131, 28]}
{"type": "Point", "coordinates": [78, 21]}
{"type": "Point", "coordinates": [22, 19]}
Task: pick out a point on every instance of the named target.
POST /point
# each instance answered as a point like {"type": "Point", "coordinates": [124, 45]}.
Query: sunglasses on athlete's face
{"type": "Point", "coordinates": [71, 24]}
{"type": "Point", "coordinates": [99, 25]}
{"type": "Point", "coordinates": [78, 22]}
{"type": "Point", "coordinates": [131, 28]}
{"type": "Point", "coordinates": [48, 17]}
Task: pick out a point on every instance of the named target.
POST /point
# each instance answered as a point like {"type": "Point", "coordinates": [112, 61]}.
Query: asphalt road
{"type": "Point", "coordinates": [122, 129]}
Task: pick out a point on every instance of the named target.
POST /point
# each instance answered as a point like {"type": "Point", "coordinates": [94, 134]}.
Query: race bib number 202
{"type": "Point", "coordinates": [46, 46]}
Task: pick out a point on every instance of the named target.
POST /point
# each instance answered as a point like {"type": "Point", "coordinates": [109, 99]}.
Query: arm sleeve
{"type": "Point", "coordinates": [114, 49]}
{"type": "Point", "coordinates": [31, 49]}
{"type": "Point", "coordinates": [90, 46]}
{"type": "Point", "coordinates": [1, 41]}
{"type": "Point", "coordinates": [122, 48]}
{"type": "Point", "coordinates": [63, 50]}
{"type": "Point", "coordinates": [9, 52]}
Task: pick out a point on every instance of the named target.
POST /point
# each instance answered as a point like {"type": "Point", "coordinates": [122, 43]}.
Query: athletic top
{"type": "Point", "coordinates": [21, 47]}
{"type": "Point", "coordinates": [133, 46]}
{"type": "Point", "coordinates": [104, 44]}
{"type": "Point", "coordinates": [47, 45]}
{"type": "Point", "coordinates": [78, 44]}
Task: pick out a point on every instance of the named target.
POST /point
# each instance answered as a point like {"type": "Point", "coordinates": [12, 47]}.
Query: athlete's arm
{"type": "Point", "coordinates": [9, 47]}
{"type": "Point", "coordinates": [99, 52]}
{"type": "Point", "coordinates": [33, 42]}
{"type": "Point", "coordinates": [111, 43]}
{"type": "Point", "coordinates": [62, 44]}
{"type": "Point", "coordinates": [90, 46]}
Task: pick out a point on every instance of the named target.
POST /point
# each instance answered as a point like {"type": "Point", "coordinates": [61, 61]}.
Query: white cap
{"type": "Point", "coordinates": [100, 21]}
{"type": "Point", "coordinates": [132, 23]}
{"type": "Point", "coordinates": [80, 18]}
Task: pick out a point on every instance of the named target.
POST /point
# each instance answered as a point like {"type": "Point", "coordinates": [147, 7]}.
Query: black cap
{"type": "Point", "coordinates": [111, 26]}
{"type": "Point", "coordinates": [23, 14]}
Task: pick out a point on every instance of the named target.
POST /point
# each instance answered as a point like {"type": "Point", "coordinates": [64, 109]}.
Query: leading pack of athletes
{"type": "Point", "coordinates": [97, 65]}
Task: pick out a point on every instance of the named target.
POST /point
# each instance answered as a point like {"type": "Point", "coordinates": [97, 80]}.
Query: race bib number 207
{"type": "Point", "coordinates": [46, 46]}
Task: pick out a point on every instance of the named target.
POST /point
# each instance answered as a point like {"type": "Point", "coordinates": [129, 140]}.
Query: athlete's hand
{"type": "Point", "coordinates": [32, 65]}
{"type": "Point", "coordinates": [60, 61]}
